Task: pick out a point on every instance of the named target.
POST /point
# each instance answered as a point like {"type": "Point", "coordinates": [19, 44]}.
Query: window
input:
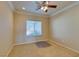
{"type": "Point", "coordinates": [33, 28]}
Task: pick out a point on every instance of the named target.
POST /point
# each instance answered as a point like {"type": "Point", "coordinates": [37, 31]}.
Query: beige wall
{"type": "Point", "coordinates": [65, 27]}
{"type": "Point", "coordinates": [20, 28]}
{"type": "Point", "coordinates": [6, 28]}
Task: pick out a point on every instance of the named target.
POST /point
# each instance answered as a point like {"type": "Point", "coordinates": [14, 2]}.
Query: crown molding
{"type": "Point", "coordinates": [26, 12]}
{"type": "Point", "coordinates": [30, 14]}
{"type": "Point", "coordinates": [66, 8]}
{"type": "Point", "coordinates": [10, 5]}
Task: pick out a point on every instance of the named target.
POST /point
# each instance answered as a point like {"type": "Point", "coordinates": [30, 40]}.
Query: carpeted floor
{"type": "Point", "coordinates": [41, 49]}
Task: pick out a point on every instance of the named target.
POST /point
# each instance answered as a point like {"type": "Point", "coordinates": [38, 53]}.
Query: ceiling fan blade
{"type": "Point", "coordinates": [52, 6]}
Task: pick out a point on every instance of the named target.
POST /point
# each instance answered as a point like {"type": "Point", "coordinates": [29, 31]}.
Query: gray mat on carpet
{"type": "Point", "coordinates": [42, 44]}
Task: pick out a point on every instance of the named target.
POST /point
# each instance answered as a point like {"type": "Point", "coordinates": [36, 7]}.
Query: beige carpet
{"type": "Point", "coordinates": [31, 50]}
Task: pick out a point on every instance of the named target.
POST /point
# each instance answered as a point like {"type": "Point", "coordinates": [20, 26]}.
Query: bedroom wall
{"type": "Point", "coordinates": [6, 28]}
{"type": "Point", "coordinates": [65, 28]}
{"type": "Point", "coordinates": [20, 28]}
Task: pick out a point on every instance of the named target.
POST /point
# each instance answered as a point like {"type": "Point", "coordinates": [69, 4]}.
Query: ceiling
{"type": "Point", "coordinates": [30, 6]}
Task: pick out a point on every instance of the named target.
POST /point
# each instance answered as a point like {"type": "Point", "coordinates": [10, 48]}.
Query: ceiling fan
{"type": "Point", "coordinates": [44, 5]}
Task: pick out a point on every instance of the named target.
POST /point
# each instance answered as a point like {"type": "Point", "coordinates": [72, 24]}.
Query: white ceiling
{"type": "Point", "coordinates": [31, 6]}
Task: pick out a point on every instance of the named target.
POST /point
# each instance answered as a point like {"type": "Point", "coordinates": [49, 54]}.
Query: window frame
{"type": "Point", "coordinates": [34, 29]}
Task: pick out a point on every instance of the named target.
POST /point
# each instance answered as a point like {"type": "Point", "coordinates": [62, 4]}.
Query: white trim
{"type": "Point", "coordinates": [10, 49]}
{"type": "Point", "coordinates": [63, 9]}
{"type": "Point", "coordinates": [53, 41]}
{"type": "Point", "coordinates": [11, 5]}
{"type": "Point", "coordinates": [66, 8]}
{"type": "Point", "coordinates": [31, 14]}
{"type": "Point", "coordinates": [29, 42]}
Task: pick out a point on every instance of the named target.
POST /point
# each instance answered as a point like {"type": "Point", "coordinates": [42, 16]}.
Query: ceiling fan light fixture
{"type": "Point", "coordinates": [23, 8]}
{"type": "Point", "coordinates": [45, 5]}
{"type": "Point", "coordinates": [44, 8]}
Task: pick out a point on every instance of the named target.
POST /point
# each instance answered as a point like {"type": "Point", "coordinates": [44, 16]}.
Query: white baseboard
{"type": "Point", "coordinates": [53, 41]}
{"type": "Point", "coordinates": [29, 42]}
{"type": "Point", "coordinates": [10, 49]}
